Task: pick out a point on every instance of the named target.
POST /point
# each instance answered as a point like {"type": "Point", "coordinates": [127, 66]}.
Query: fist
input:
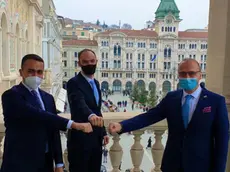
{"type": "Point", "coordinates": [85, 127]}
{"type": "Point", "coordinates": [96, 121]}
{"type": "Point", "coordinates": [114, 127]}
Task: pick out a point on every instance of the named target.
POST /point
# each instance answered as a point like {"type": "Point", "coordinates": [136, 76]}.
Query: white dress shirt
{"type": "Point", "coordinates": [193, 102]}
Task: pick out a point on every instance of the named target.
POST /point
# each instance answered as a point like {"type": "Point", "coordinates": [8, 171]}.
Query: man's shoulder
{"type": "Point", "coordinates": [212, 95]}
{"type": "Point", "coordinates": [174, 93]}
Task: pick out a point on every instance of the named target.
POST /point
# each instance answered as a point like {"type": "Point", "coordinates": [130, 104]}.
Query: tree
{"type": "Point", "coordinates": [126, 26]}
{"type": "Point", "coordinates": [135, 93]}
{"type": "Point", "coordinates": [143, 96]}
{"type": "Point", "coordinates": [153, 98]}
{"type": "Point", "coordinates": [98, 22]}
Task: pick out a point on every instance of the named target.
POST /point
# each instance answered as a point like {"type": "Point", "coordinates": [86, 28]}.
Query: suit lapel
{"type": "Point", "coordinates": [177, 100]}
{"type": "Point", "coordinates": [26, 94]}
{"type": "Point", "coordinates": [200, 104]}
{"type": "Point", "coordinates": [44, 100]}
{"type": "Point", "coordinates": [85, 87]}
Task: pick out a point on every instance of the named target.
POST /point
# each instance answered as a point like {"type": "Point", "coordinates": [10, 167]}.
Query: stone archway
{"type": "Point", "coordinates": [117, 86]}
{"type": "Point", "coordinates": [5, 65]}
{"type": "Point", "coordinates": [152, 86]}
{"type": "Point", "coordinates": [166, 86]}
{"type": "Point", "coordinates": [141, 84]}
{"type": "Point", "coordinates": [104, 86]}
{"type": "Point", "coordinates": [128, 85]}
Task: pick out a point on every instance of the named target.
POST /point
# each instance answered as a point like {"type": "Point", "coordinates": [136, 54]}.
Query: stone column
{"type": "Point", "coordinates": [137, 151]}
{"type": "Point", "coordinates": [116, 153]}
{"type": "Point", "coordinates": [158, 149]}
{"type": "Point", "coordinates": [218, 59]}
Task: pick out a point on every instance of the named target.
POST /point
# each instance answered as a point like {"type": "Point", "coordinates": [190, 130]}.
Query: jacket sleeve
{"type": "Point", "coordinates": [16, 108]}
{"type": "Point", "coordinates": [154, 115]}
{"type": "Point", "coordinates": [221, 136]}
{"type": "Point", "coordinates": [78, 106]}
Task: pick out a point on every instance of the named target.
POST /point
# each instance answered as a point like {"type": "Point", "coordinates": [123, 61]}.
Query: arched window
{"type": "Point", "coordinates": [141, 45]}
{"type": "Point", "coordinates": [106, 56]}
{"type": "Point", "coordinates": [169, 52]}
{"type": "Point", "coordinates": [190, 46]}
{"type": "Point", "coordinates": [102, 43]}
{"type": "Point", "coordinates": [107, 43]}
{"type": "Point", "coordinates": [170, 29]}
{"type": "Point", "coordinates": [162, 29]}
{"type": "Point", "coordinates": [166, 29]}
{"type": "Point", "coordinates": [114, 64]}
{"type": "Point", "coordinates": [174, 29]}
{"type": "Point", "coordinates": [103, 55]}
{"type": "Point", "coordinates": [144, 45]}
{"type": "Point", "coordinates": [165, 52]}
{"type": "Point", "coordinates": [119, 50]}
{"type": "Point", "coordinates": [115, 50]}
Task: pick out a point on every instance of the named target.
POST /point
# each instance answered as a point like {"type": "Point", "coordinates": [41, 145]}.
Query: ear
{"type": "Point", "coordinates": [20, 71]}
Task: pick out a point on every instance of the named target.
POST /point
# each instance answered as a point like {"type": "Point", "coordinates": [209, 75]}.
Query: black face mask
{"type": "Point", "coordinates": [89, 69]}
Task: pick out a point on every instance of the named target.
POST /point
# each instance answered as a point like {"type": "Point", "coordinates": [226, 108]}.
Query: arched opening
{"type": "Point", "coordinates": [17, 48]}
{"type": "Point", "coordinates": [152, 86]}
{"type": "Point", "coordinates": [119, 50]}
{"type": "Point", "coordinates": [128, 85]}
{"type": "Point", "coordinates": [117, 85]}
{"type": "Point", "coordinates": [166, 86]}
{"type": "Point", "coordinates": [141, 84]}
{"type": "Point", "coordinates": [104, 86]}
{"type": "Point", "coordinates": [5, 57]}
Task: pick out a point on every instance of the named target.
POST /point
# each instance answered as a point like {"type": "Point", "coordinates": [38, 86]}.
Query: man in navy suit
{"type": "Point", "coordinates": [32, 138]}
{"type": "Point", "coordinates": [198, 125]}
{"type": "Point", "coordinates": [84, 95]}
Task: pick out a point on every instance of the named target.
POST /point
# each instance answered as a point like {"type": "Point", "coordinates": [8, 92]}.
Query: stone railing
{"type": "Point", "coordinates": [136, 150]}
{"type": "Point", "coordinates": [116, 150]}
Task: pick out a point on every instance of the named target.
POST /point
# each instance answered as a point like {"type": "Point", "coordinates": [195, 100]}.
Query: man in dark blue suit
{"type": "Point", "coordinates": [84, 95]}
{"type": "Point", "coordinates": [32, 139]}
{"type": "Point", "coordinates": [197, 125]}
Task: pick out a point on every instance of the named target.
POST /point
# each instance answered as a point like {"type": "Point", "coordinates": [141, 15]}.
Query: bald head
{"type": "Point", "coordinates": [189, 63]}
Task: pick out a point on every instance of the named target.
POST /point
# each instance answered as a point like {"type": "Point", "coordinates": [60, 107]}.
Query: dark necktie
{"type": "Point", "coordinates": [37, 99]}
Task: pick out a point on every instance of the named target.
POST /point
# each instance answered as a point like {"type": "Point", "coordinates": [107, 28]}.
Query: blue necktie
{"type": "Point", "coordinates": [37, 99]}
{"type": "Point", "coordinates": [95, 91]}
{"type": "Point", "coordinates": [185, 110]}
{"type": "Point", "coordinates": [39, 103]}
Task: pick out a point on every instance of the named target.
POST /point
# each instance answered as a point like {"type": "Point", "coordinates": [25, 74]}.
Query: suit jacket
{"type": "Point", "coordinates": [203, 146]}
{"type": "Point", "coordinates": [28, 129]}
{"type": "Point", "coordinates": [82, 105]}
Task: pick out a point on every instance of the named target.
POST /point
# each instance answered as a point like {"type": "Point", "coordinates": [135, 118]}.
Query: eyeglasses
{"type": "Point", "coordinates": [190, 73]}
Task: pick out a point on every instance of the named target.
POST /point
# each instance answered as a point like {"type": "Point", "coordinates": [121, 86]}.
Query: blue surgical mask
{"type": "Point", "coordinates": [33, 82]}
{"type": "Point", "coordinates": [188, 84]}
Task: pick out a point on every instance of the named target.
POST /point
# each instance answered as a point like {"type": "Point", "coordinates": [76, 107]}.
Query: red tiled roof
{"type": "Point", "coordinates": [131, 33]}
{"type": "Point", "coordinates": [185, 34]}
{"type": "Point", "coordinates": [80, 42]}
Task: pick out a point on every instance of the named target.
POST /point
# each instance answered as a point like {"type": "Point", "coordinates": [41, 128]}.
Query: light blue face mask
{"type": "Point", "coordinates": [188, 84]}
{"type": "Point", "coordinates": [33, 82]}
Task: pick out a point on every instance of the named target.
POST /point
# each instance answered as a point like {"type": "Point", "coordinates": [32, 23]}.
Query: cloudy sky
{"type": "Point", "coordinates": [135, 12]}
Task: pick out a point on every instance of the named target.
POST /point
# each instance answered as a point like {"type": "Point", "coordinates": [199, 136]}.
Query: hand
{"type": "Point", "coordinates": [114, 127]}
{"type": "Point", "coordinates": [96, 121]}
{"type": "Point", "coordinates": [59, 169]}
{"type": "Point", "coordinates": [85, 127]}
{"type": "Point", "coordinates": [106, 140]}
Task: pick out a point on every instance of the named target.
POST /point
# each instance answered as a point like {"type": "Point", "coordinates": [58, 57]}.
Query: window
{"type": "Point", "coordinates": [119, 63]}
{"type": "Point", "coordinates": [75, 64]}
{"type": "Point", "coordinates": [106, 65]}
{"type": "Point", "coordinates": [119, 50]}
{"type": "Point", "coordinates": [102, 56]}
{"type": "Point", "coordinates": [165, 52]}
{"type": "Point", "coordinates": [131, 56]}
{"type": "Point", "coordinates": [65, 63]}
{"type": "Point", "coordinates": [127, 56]}
{"type": "Point", "coordinates": [166, 30]}
{"type": "Point", "coordinates": [194, 56]}
{"type": "Point", "coordinates": [102, 64]}
{"type": "Point", "coordinates": [178, 57]}
{"type": "Point", "coordinates": [162, 29]}
{"type": "Point", "coordinates": [114, 64]}
{"type": "Point", "coordinates": [139, 57]}
{"type": "Point", "coordinates": [143, 57]}
{"type": "Point", "coordinates": [169, 52]}
{"type": "Point", "coordinates": [174, 29]}
{"type": "Point", "coordinates": [65, 54]}
{"type": "Point", "coordinates": [75, 54]}
{"type": "Point", "coordinates": [127, 65]}
{"type": "Point", "coordinates": [65, 74]}
{"type": "Point", "coordinates": [82, 33]}
{"type": "Point", "coordinates": [106, 56]}
{"type": "Point", "coordinates": [205, 56]}
{"type": "Point", "coordinates": [143, 65]}
{"type": "Point", "coordinates": [138, 65]}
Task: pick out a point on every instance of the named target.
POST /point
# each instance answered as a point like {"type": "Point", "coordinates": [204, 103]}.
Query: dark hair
{"type": "Point", "coordinates": [31, 57]}
{"type": "Point", "coordinates": [189, 59]}
{"type": "Point", "coordinates": [85, 50]}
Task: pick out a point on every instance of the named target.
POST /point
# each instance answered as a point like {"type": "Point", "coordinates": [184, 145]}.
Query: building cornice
{"type": "Point", "coordinates": [36, 6]}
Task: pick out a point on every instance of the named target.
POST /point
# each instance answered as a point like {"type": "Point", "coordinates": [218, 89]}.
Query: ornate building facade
{"type": "Point", "coordinates": [149, 57]}
{"type": "Point", "coordinates": [21, 25]}
{"type": "Point", "coordinates": [52, 48]}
